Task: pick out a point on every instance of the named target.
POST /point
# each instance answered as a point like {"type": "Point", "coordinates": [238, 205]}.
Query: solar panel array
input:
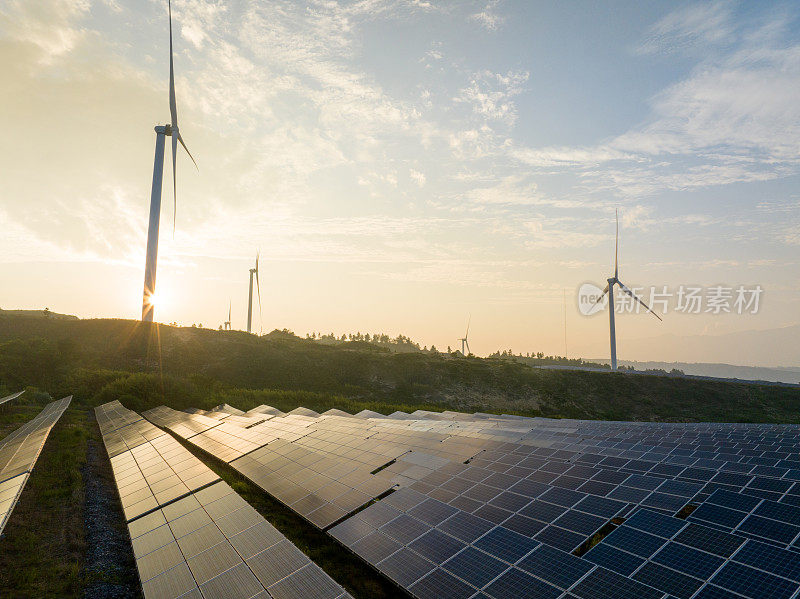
{"type": "Point", "coordinates": [499, 506]}
{"type": "Point", "coordinates": [19, 452]}
{"type": "Point", "coordinates": [192, 535]}
{"type": "Point", "coordinates": [8, 398]}
{"type": "Point", "coordinates": [686, 559]}
{"type": "Point", "coordinates": [322, 473]}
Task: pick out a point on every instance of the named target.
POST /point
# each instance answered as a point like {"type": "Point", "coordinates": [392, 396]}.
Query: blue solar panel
{"type": "Point", "coordinates": [718, 515]}
{"type": "Point", "coordinates": [634, 541]}
{"type": "Point", "coordinates": [710, 540]}
{"type": "Point", "coordinates": [561, 538]}
{"type": "Point", "coordinates": [540, 510]}
{"type": "Point", "coordinates": [614, 559]}
{"type": "Point", "coordinates": [753, 583]}
{"type": "Point", "coordinates": [734, 501]}
{"type": "Point", "coordinates": [772, 559]}
{"type": "Point", "coordinates": [505, 544]}
{"type": "Point", "coordinates": [600, 506]}
{"type": "Point", "coordinates": [779, 511]}
{"type": "Point", "coordinates": [689, 561]}
{"type": "Point", "coordinates": [604, 584]}
{"type": "Point", "coordinates": [769, 529]}
{"type": "Point", "coordinates": [404, 529]}
{"type": "Point", "coordinates": [436, 546]}
{"type": "Point", "coordinates": [476, 567]}
{"type": "Point", "coordinates": [579, 522]}
{"type": "Point", "coordinates": [524, 525]}
{"type": "Point", "coordinates": [640, 481]}
{"type": "Point", "coordinates": [683, 489]}
{"type": "Point", "coordinates": [655, 523]}
{"type": "Point", "coordinates": [405, 567]}
{"type": "Point", "coordinates": [664, 501]}
{"type": "Point", "coordinates": [554, 566]}
{"type": "Point", "coordinates": [441, 585]}
{"type": "Point", "coordinates": [674, 583]}
{"type": "Point", "coordinates": [515, 584]}
{"type": "Point", "coordinates": [562, 497]}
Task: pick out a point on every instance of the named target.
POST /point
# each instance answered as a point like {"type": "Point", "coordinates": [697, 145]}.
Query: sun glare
{"type": "Point", "coordinates": [157, 300]}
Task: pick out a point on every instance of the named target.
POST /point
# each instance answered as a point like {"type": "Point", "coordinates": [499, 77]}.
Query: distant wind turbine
{"type": "Point", "coordinates": [155, 195]}
{"type": "Point", "coordinates": [227, 323]}
{"type": "Point", "coordinates": [465, 351]}
{"type": "Point", "coordinates": [253, 271]}
{"type": "Point", "coordinates": [610, 290]}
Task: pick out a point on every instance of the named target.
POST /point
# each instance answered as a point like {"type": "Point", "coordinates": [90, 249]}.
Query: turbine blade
{"type": "Point", "coordinates": [616, 248]}
{"type": "Point", "coordinates": [173, 108]}
{"type": "Point", "coordinates": [258, 287]}
{"type": "Point", "coordinates": [174, 182]}
{"type": "Point", "coordinates": [180, 139]}
{"type": "Point", "coordinates": [469, 320]}
{"type": "Point", "coordinates": [634, 296]}
{"type": "Point", "coordinates": [602, 295]}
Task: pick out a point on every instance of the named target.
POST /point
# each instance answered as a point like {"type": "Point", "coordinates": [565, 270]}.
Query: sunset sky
{"type": "Point", "coordinates": [404, 164]}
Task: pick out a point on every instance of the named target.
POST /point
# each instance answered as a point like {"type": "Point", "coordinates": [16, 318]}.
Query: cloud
{"type": "Point", "coordinates": [50, 25]}
{"type": "Point", "coordinates": [417, 177]}
{"type": "Point", "coordinates": [689, 28]}
{"type": "Point", "coordinates": [490, 94]}
{"type": "Point", "coordinates": [487, 17]}
{"type": "Point", "coordinates": [733, 119]}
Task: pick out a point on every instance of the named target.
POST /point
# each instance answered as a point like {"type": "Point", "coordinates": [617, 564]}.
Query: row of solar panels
{"type": "Point", "coordinates": [192, 535]}
{"type": "Point", "coordinates": [19, 452]}
{"type": "Point", "coordinates": [8, 398]}
{"type": "Point", "coordinates": [522, 499]}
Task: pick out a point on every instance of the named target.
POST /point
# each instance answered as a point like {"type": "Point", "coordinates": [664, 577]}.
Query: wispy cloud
{"type": "Point", "coordinates": [487, 17]}
{"type": "Point", "coordinates": [691, 28]}
{"type": "Point", "coordinates": [490, 94]}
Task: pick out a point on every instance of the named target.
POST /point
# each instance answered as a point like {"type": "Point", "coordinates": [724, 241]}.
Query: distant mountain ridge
{"type": "Point", "coordinates": [772, 349]}
{"type": "Point", "coordinates": [785, 374]}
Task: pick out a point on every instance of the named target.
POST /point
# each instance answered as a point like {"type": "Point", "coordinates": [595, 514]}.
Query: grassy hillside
{"type": "Point", "coordinates": [146, 365]}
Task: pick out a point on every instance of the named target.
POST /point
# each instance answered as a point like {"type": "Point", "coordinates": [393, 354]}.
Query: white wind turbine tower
{"type": "Point", "coordinates": [227, 323]}
{"type": "Point", "coordinates": [253, 271]}
{"type": "Point", "coordinates": [155, 196]}
{"type": "Point", "coordinates": [610, 290]}
{"type": "Point", "coordinates": [465, 351]}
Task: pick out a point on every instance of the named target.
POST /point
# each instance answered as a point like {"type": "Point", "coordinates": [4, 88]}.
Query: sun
{"type": "Point", "coordinates": [157, 300]}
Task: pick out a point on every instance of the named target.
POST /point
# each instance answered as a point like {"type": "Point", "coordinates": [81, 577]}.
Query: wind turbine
{"type": "Point", "coordinates": [162, 131]}
{"type": "Point", "coordinates": [610, 290]}
{"type": "Point", "coordinates": [227, 323]}
{"type": "Point", "coordinates": [253, 271]}
{"type": "Point", "coordinates": [465, 351]}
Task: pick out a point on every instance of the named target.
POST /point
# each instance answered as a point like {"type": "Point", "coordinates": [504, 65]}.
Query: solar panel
{"type": "Point", "coordinates": [203, 539]}
{"type": "Point", "coordinates": [474, 486]}
{"type": "Point", "coordinates": [19, 452]}
{"type": "Point", "coordinates": [11, 397]}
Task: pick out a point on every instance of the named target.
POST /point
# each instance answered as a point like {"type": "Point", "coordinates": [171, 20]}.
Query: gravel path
{"type": "Point", "coordinates": [110, 566]}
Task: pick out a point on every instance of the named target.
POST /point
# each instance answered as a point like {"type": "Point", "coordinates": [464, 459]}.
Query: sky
{"type": "Point", "coordinates": [404, 166]}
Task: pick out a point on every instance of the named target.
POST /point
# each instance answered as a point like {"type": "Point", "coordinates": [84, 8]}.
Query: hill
{"type": "Point", "coordinates": [147, 365]}
{"type": "Point", "coordinates": [46, 313]}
